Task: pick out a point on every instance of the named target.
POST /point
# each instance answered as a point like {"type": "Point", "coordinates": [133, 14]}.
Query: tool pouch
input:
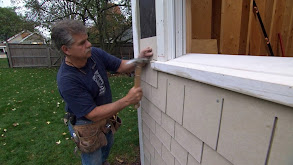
{"type": "Point", "coordinates": [90, 137]}
{"type": "Point", "coordinates": [69, 117]}
{"type": "Point", "coordinates": [115, 122]}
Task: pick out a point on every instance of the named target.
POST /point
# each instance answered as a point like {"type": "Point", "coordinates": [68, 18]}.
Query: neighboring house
{"type": "Point", "coordinates": [27, 37]}
{"type": "Point", "coordinates": [2, 49]}
{"type": "Point", "coordinates": [127, 36]}
{"type": "Point", "coordinates": [24, 37]}
{"type": "Point", "coordinates": [214, 109]}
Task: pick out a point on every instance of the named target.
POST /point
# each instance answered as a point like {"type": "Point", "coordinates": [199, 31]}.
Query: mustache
{"type": "Point", "coordinates": [88, 50]}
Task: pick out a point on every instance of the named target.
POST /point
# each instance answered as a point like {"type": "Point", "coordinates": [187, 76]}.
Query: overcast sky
{"type": "Point", "coordinates": [5, 3]}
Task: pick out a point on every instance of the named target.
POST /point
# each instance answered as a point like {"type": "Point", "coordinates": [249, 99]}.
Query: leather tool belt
{"type": "Point", "coordinates": [90, 137]}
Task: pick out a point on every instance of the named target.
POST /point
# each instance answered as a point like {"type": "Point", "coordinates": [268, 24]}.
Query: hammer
{"type": "Point", "coordinates": [139, 63]}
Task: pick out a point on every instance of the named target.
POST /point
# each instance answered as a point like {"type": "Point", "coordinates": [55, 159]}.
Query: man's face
{"type": "Point", "coordinates": [81, 48]}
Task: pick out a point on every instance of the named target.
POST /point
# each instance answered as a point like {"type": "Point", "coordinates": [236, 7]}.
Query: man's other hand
{"type": "Point", "coordinates": [146, 53]}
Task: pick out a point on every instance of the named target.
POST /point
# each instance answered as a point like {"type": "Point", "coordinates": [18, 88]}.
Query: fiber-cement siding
{"type": "Point", "coordinates": [185, 122]}
{"type": "Point", "coordinates": [189, 123]}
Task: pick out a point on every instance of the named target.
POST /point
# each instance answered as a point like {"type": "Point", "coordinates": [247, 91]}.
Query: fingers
{"type": "Point", "coordinates": [134, 95]}
{"type": "Point", "coordinates": [138, 93]}
{"type": "Point", "coordinates": [147, 52]}
{"type": "Point", "coordinates": [148, 49]}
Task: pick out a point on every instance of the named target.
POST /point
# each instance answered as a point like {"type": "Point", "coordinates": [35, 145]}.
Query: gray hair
{"type": "Point", "coordinates": [62, 32]}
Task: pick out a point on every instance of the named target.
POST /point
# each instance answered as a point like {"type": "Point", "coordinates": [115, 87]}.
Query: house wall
{"type": "Point", "coordinates": [190, 123]}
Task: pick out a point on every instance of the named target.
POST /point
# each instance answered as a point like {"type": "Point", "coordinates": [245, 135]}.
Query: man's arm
{"type": "Point", "coordinates": [127, 68]}
{"type": "Point", "coordinates": [108, 110]}
{"type": "Point", "coordinates": [133, 97]}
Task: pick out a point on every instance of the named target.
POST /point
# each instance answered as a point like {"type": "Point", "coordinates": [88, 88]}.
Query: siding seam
{"type": "Point", "coordinates": [219, 129]}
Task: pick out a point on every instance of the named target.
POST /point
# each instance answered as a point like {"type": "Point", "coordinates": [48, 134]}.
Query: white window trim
{"type": "Point", "coordinates": [170, 29]}
{"type": "Point", "coordinates": [268, 78]}
{"type": "Point", "coordinates": [136, 36]}
{"type": "Point", "coordinates": [135, 25]}
{"type": "Point", "coordinates": [164, 29]}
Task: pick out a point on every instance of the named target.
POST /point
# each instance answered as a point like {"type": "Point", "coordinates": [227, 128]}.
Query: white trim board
{"type": "Point", "coordinates": [268, 78]}
{"type": "Point", "coordinates": [135, 27]}
{"type": "Point", "coordinates": [136, 47]}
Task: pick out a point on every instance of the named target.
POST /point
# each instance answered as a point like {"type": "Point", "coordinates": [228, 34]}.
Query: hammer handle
{"type": "Point", "coordinates": [137, 75]}
{"type": "Point", "coordinates": [137, 79]}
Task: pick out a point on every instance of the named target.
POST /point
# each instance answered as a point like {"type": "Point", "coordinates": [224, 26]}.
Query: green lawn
{"type": "Point", "coordinates": [4, 63]}
{"type": "Point", "coordinates": [31, 122]}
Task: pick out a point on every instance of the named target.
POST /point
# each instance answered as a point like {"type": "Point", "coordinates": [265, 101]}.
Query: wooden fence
{"type": "Point", "coordinates": [28, 55]}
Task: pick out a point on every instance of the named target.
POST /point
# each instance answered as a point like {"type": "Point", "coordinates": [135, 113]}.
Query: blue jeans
{"type": "Point", "coordinates": [99, 156]}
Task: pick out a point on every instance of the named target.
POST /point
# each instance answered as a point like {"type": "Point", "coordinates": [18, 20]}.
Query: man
{"type": "Point", "coordinates": [84, 86]}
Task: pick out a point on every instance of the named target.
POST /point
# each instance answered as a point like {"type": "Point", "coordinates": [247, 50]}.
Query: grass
{"type": "Point", "coordinates": [31, 122]}
{"type": "Point", "coordinates": [4, 63]}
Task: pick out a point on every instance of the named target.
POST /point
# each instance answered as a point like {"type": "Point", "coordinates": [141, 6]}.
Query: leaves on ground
{"type": "Point", "coordinates": [119, 160]}
{"type": "Point", "coordinates": [32, 125]}
{"type": "Point", "coordinates": [15, 124]}
{"type": "Point", "coordinates": [58, 142]}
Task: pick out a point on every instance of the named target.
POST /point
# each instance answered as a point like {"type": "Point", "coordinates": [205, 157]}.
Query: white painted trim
{"type": "Point", "coordinates": [135, 27]}
{"type": "Point", "coordinates": [179, 28]}
{"type": "Point", "coordinates": [170, 33]}
{"type": "Point", "coordinates": [160, 30]}
{"type": "Point", "coordinates": [136, 38]}
{"type": "Point", "coordinates": [140, 133]}
{"type": "Point", "coordinates": [184, 26]}
{"type": "Point", "coordinates": [166, 29]}
{"type": "Point", "coordinates": [268, 78]}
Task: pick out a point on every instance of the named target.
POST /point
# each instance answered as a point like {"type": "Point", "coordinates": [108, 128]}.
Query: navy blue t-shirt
{"type": "Point", "coordinates": [82, 92]}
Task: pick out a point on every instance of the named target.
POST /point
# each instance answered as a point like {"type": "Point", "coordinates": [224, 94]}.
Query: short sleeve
{"type": "Point", "coordinates": [110, 62]}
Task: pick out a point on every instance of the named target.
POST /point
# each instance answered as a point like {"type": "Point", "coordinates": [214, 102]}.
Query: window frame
{"type": "Point", "coordinates": [267, 78]}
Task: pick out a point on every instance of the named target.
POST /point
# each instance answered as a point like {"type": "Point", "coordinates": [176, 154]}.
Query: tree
{"type": "Point", "coordinates": [11, 23]}
{"type": "Point", "coordinates": [107, 20]}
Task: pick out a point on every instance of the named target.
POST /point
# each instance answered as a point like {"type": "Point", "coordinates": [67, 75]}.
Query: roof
{"type": "Point", "coordinates": [16, 35]}
{"type": "Point", "coordinates": [24, 36]}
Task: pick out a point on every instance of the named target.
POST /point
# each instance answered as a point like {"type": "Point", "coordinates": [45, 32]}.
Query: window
{"type": "Point", "coordinates": [189, 49]}
{"type": "Point", "coordinates": [225, 27]}
{"type": "Point", "coordinates": [147, 18]}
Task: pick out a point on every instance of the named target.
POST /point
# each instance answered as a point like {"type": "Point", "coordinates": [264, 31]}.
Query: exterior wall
{"type": "Point", "coordinates": [190, 123]}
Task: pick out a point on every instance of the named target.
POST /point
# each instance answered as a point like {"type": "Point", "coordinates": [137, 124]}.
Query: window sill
{"type": "Point", "coordinates": [269, 78]}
